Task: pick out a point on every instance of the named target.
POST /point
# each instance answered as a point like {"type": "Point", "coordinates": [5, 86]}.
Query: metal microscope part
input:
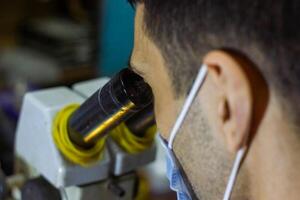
{"type": "Point", "coordinates": [116, 189]}
{"type": "Point", "coordinates": [125, 94]}
{"type": "Point", "coordinates": [141, 121]}
{"type": "Point", "coordinates": [39, 189]}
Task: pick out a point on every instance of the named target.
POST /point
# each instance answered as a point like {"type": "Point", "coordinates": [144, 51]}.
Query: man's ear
{"type": "Point", "coordinates": [236, 102]}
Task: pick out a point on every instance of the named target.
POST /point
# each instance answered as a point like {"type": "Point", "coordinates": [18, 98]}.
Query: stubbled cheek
{"type": "Point", "coordinates": [165, 113]}
{"type": "Point", "coordinates": [163, 124]}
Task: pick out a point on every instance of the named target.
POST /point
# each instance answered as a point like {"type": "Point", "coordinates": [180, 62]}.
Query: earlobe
{"type": "Point", "coordinates": [236, 102]}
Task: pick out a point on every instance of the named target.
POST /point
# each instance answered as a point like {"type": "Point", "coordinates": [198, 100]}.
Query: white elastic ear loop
{"type": "Point", "coordinates": [234, 172]}
{"type": "Point", "coordinates": [187, 104]}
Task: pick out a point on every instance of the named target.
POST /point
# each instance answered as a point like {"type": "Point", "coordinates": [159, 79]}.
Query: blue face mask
{"type": "Point", "coordinates": [174, 175]}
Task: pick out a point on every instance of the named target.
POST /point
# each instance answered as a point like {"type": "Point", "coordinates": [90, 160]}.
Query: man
{"type": "Point", "coordinates": [249, 98]}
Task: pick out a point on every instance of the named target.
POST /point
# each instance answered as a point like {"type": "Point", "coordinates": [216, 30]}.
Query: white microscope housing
{"type": "Point", "coordinates": [36, 150]}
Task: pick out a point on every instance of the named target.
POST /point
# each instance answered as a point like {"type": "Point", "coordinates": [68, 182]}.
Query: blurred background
{"type": "Point", "coordinates": [47, 43]}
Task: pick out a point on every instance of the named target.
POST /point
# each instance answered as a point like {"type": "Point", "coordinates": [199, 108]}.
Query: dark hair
{"type": "Point", "coordinates": [186, 29]}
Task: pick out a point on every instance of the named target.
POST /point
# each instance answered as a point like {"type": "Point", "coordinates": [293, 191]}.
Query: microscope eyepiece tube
{"type": "Point", "coordinates": [141, 121]}
{"type": "Point", "coordinates": [124, 95]}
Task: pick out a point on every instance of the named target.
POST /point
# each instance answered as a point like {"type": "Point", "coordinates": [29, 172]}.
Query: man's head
{"type": "Point", "coordinates": [252, 51]}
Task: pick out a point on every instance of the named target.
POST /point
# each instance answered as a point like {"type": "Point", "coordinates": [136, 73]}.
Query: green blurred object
{"type": "Point", "coordinates": [116, 42]}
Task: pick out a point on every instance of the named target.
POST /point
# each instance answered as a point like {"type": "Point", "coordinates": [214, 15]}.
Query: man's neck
{"type": "Point", "coordinates": [273, 160]}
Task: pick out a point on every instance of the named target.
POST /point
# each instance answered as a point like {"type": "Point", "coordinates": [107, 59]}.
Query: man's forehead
{"type": "Point", "coordinates": [140, 36]}
{"type": "Point", "coordinates": [145, 54]}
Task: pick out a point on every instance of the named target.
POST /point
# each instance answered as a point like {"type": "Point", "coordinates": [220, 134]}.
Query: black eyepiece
{"type": "Point", "coordinates": [124, 95]}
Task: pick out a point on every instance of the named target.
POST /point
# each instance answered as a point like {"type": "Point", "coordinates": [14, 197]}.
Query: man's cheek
{"type": "Point", "coordinates": [162, 121]}
{"type": "Point", "coordinates": [165, 114]}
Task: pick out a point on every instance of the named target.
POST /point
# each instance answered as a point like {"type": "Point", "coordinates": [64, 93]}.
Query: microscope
{"type": "Point", "coordinates": [84, 144]}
